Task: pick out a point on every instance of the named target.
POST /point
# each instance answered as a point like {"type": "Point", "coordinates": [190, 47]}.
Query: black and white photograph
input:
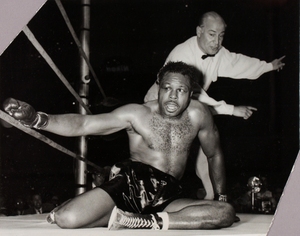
{"type": "Point", "coordinates": [190, 106]}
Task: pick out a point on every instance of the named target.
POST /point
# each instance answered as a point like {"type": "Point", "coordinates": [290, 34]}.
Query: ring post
{"type": "Point", "coordinates": [81, 167]}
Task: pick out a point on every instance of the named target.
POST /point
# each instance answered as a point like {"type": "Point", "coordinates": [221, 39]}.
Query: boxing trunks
{"type": "Point", "coordinates": [140, 188]}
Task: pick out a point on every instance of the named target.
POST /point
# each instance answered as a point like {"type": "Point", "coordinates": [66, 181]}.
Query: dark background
{"type": "Point", "coordinates": [130, 41]}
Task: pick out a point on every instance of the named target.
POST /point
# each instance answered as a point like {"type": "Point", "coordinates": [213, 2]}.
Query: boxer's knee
{"type": "Point", "coordinates": [66, 219]}
{"type": "Point", "coordinates": [227, 215]}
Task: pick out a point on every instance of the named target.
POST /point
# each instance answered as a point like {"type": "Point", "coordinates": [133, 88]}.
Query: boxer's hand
{"type": "Point", "coordinates": [21, 111]}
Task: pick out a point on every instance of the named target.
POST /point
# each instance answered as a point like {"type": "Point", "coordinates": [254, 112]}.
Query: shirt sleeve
{"type": "Point", "coordinates": [239, 66]}
{"type": "Point", "coordinates": [216, 107]}
{"type": "Point", "coordinates": [152, 93]}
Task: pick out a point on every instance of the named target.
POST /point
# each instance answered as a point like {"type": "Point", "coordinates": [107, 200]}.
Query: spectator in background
{"type": "Point", "coordinates": [267, 203]}
{"type": "Point", "coordinates": [37, 206]}
{"type": "Point", "coordinates": [264, 200]}
{"type": "Point", "coordinates": [19, 207]}
{"type": "Point", "coordinates": [55, 201]}
{"type": "Point", "coordinates": [51, 203]}
{"type": "Point", "coordinates": [100, 176]}
{"type": "Point", "coordinates": [97, 177]}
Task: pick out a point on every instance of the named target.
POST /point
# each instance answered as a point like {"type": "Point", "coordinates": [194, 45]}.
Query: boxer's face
{"type": "Point", "coordinates": [174, 95]}
{"type": "Point", "coordinates": [210, 35]}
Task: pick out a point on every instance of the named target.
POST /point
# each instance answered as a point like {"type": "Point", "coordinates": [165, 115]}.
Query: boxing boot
{"type": "Point", "coordinates": [126, 220]}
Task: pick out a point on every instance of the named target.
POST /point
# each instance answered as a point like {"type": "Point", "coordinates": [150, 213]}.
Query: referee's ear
{"type": "Point", "coordinates": [199, 31]}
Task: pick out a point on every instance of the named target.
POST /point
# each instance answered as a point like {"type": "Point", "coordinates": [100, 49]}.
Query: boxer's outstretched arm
{"type": "Point", "coordinates": [72, 124]}
{"type": "Point", "coordinates": [80, 125]}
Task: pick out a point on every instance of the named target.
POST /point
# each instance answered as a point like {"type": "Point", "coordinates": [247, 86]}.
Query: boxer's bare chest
{"type": "Point", "coordinates": [171, 136]}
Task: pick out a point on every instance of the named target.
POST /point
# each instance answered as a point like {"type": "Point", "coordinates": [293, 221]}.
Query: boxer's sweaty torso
{"type": "Point", "coordinates": [162, 143]}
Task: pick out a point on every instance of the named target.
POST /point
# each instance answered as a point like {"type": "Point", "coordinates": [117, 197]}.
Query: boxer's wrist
{"type": "Point", "coordinates": [221, 197]}
{"type": "Point", "coordinates": [42, 120]}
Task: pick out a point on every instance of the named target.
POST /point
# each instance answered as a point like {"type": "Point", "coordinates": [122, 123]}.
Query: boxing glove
{"type": "Point", "coordinates": [25, 113]}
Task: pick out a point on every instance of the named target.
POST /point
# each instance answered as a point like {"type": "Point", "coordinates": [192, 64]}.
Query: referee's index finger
{"type": "Point", "coordinates": [281, 58]}
{"type": "Point", "coordinates": [252, 108]}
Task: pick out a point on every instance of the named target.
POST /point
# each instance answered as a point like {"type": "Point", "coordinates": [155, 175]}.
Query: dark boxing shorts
{"type": "Point", "coordinates": [140, 188]}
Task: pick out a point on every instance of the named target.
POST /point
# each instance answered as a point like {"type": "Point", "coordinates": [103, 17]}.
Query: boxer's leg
{"type": "Point", "coordinates": [90, 209]}
{"type": "Point", "coordinates": [179, 214]}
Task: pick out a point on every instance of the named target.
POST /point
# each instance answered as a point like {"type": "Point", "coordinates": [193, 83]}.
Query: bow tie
{"type": "Point", "coordinates": [206, 56]}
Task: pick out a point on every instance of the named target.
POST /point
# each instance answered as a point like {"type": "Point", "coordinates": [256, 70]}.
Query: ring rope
{"type": "Point", "coordinates": [44, 54]}
{"type": "Point", "coordinates": [44, 139]}
{"type": "Point", "coordinates": [83, 54]}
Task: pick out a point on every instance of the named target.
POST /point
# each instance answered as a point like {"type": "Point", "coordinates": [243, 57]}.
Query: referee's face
{"type": "Point", "coordinates": [210, 35]}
